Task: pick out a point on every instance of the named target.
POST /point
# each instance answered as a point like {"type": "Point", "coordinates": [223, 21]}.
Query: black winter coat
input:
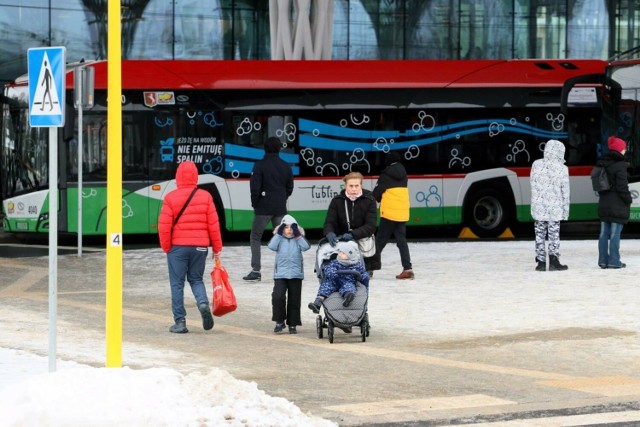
{"type": "Point", "coordinates": [614, 204]}
{"type": "Point", "coordinates": [362, 214]}
{"type": "Point", "coordinates": [271, 184]}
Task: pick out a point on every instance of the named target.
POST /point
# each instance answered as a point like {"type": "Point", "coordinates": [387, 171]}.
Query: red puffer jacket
{"type": "Point", "coordinates": [198, 225]}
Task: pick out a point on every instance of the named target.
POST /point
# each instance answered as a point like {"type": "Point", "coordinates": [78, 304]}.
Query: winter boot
{"type": "Point", "coordinates": [180, 327]}
{"type": "Point", "coordinates": [207, 318]}
{"type": "Point", "coordinates": [554, 264]}
{"type": "Point", "coordinates": [315, 306]}
{"type": "Point", "coordinates": [348, 298]}
{"type": "Point", "coordinates": [542, 266]}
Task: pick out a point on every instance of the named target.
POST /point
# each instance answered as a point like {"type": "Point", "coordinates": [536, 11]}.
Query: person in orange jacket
{"type": "Point", "coordinates": [188, 224]}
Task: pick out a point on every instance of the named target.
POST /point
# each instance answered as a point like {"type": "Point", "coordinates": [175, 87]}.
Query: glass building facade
{"type": "Point", "coordinates": [362, 29]}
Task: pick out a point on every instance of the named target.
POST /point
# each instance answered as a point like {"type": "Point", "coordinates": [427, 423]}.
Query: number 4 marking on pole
{"type": "Point", "coordinates": [116, 239]}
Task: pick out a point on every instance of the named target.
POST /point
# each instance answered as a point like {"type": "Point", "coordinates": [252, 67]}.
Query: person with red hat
{"type": "Point", "coordinates": [613, 204]}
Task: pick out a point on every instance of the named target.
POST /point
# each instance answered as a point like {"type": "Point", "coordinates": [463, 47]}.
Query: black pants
{"type": "Point", "coordinates": [398, 230]}
{"type": "Point", "coordinates": [284, 309]}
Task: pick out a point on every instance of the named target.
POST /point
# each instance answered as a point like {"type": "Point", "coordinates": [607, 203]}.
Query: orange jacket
{"type": "Point", "coordinates": [198, 225]}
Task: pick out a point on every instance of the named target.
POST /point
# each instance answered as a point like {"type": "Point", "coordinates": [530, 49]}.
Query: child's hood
{"type": "Point", "coordinates": [289, 220]}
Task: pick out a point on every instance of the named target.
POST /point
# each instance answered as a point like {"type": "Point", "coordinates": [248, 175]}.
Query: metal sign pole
{"type": "Point", "coordinates": [78, 87]}
{"type": "Point", "coordinates": [53, 245]}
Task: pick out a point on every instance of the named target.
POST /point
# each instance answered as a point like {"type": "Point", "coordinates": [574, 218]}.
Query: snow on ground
{"type": "Point", "coordinates": [462, 289]}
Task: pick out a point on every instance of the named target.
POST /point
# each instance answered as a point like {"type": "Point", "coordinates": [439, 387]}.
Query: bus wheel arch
{"type": "Point", "coordinates": [489, 207]}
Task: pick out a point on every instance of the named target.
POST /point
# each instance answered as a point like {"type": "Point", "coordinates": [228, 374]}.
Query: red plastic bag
{"type": "Point", "coordinates": [224, 300]}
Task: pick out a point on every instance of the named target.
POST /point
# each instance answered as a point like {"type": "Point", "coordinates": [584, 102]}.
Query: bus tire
{"type": "Point", "coordinates": [487, 212]}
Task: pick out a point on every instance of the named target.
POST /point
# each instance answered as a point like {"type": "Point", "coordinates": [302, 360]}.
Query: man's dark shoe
{"type": "Point", "coordinates": [254, 276]}
{"type": "Point", "coordinates": [622, 265]}
{"type": "Point", "coordinates": [207, 318]}
{"type": "Point", "coordinates": [293, 330]}
{"type": "Point", "coordinates": [348, 298]}
{"type": "Point", "coordinates": [279, 327]}
{"type": "Point", "coordinates": [180, 327]}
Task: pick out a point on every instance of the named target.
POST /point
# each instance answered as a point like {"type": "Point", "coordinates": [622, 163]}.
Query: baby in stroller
{"type": "Point", "coordinates": [343, 270]}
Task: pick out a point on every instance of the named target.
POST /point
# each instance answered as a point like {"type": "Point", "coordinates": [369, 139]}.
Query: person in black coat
{"type": "Point", "coordinates": [613, 206]}
{"type": "Point", "coordinates": [361, 208]}
{"type": "Point", "coordinates": [270, 185]}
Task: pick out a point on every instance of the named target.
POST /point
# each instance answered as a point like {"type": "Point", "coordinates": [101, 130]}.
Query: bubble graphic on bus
{"type": "Point", "coordinates": [421, 126]}
{"type": "Point", "coordinates": [495, 129]}
{"type": "Point", "coordinates": [308, 155]}
{"type": "Point", "coordinates": [213, 166]}
{"type": "Point", "coordinates": [86, 194]}
{"type": "Point", "coordinates": [557, 123]}
{"type": "Point", "coordinates": [357, 158]}
{"type": "Point", "coordinates": [167, 122]}
{"type": "Point", "coordinates": [289, 132]}
{"type": "Point", "coordinates": [412, 152]}
{"type": "Point", "coordinates": [466, 161]}
{"type": "Point", "coordinates": [167, 150]}
{"type": "Point", "coordinates": [517, 148]}
{"type": "Point", "coordinates": [431, 200]}
{"type": "Point", "coordinates": [365, 119]}
{"type": "Point", "coordinates": [246, 127]}
{"type": "Point", "coordinates": [210, 120]}
{"type": "Point", "coordinates": [381, 144]}
{"type": "Point", "coordinates": [332, 169]}
{"type": "Point", "coordinates": [127, 212]}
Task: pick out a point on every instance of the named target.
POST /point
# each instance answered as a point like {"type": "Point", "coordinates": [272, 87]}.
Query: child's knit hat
{"type": "Point", "coordinates": [351, 250]}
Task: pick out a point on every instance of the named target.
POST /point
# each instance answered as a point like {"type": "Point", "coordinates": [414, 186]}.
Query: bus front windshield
{"type": "Point", "coordinates": [25, 148]}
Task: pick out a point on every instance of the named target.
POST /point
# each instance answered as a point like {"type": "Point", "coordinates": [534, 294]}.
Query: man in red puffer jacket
{"type": "Point", "coordinates": [186, 243]}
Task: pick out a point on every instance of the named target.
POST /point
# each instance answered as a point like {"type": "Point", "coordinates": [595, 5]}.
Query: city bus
{"type": "Point", "coordinates": [467, 132]}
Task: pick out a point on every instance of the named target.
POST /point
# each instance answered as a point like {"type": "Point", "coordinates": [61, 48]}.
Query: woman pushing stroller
{"type": "Point", "coordinates": [341, 274]}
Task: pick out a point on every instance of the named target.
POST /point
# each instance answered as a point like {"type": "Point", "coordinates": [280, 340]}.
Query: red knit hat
{"type": "Point", "coordinates": [616, 144]}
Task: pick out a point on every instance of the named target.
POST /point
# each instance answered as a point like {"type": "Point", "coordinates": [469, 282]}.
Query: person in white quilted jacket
{"type": "Point", "coordinates": [550, 196]}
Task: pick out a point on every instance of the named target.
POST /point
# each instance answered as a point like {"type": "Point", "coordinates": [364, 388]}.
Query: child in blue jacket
{"type": "Point", "coordinates": [289, 243]}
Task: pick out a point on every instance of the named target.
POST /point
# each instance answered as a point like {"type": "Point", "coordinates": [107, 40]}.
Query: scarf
{"type": "Point", "coordinates": [354, 197]}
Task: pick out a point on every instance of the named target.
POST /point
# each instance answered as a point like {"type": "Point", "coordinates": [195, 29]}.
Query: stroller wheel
{"type": "Point", "coordinates": [319, 326]}
{"type": "Point", "coordinates": [330, 328]}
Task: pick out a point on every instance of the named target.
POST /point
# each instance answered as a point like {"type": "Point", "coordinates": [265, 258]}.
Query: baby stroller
{"type": "Point", "coordinates": [335, 314]}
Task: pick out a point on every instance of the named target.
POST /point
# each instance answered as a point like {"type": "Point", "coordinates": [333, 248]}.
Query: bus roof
{"type": "Point", "coordinates": [218, 74]}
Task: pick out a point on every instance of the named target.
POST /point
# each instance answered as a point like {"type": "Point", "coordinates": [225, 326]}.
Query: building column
{"type": "Point", "coordinates": [299, 31]}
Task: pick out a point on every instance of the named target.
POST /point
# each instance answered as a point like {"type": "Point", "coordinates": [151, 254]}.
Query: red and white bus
{"type": "Point", "coordinates": [468, 132]}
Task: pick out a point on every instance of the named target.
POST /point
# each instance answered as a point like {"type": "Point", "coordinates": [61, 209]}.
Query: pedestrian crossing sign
{"type": "Point", "coordinates": [47, 84]}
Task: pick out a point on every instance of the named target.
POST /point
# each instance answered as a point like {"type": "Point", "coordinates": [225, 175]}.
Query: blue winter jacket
{"type": "Point", "coordinates": [289, 260]}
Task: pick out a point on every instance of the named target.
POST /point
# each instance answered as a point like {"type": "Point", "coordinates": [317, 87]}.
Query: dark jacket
{"type": "Point", "coordinates": [362, 214]}
{"type": "Point", "coordinates": [614, 204]}
{"type": "Point", "coordinates": [271, 184]}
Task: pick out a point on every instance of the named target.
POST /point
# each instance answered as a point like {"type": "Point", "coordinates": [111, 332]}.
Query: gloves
{"type": "Point", "coordinates": [331, 237]}
{"type": "Point", "coordinates": [281, 229]}
{"type": "Point", "coordinates": [347, 236]}
{"type": "Point", "coordinates": [296, 230]}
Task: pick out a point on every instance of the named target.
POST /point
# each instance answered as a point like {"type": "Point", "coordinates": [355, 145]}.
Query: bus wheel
{"type": "Point", "coordinates": [487, 213]}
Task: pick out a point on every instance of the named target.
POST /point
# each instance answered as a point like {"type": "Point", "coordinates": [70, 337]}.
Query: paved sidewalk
{"type": "Point", "coordinates": [479, 335]}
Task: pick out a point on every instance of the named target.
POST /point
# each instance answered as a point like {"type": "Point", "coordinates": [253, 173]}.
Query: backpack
{"type": "Point", "coordinates": [600, 179]}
